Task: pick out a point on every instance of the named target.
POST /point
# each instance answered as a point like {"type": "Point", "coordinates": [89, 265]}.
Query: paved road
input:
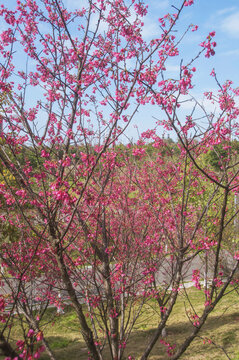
{"type": "Point", "coordinates": [163, 276]}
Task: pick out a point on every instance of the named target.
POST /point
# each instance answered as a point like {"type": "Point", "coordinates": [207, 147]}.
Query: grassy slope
{"type": "Point", "coordinates": [222, 328]}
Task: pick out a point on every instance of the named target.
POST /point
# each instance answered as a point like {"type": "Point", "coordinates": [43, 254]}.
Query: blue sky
{"type": "Point", "coordinates": [210, 15]}
{"type": "Point", "coordinates": [218, 15]}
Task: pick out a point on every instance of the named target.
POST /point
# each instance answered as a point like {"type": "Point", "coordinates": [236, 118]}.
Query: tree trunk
{"type": "Point", "coordinates": [84, 328]}
{"type": "Point", "coordinates": [6, 348]}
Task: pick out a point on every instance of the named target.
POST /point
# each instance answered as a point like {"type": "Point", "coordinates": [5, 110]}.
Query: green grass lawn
{"type": "Point", "coordinates": [222, 329]}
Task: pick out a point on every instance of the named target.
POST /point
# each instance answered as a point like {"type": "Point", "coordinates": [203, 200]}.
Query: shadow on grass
{"type": "Point", "coordinates": [65, 349]}
{"type": "Point", "coordinates": [223, 329]}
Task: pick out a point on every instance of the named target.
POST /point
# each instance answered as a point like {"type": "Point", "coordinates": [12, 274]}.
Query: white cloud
{"type": "Point", "coordinates": [76, 4]}
{"type": "Point", "coordinates": [225, 11]}
{"type": "Point", "coordinates": [234, 52]}
{"type": "Point", "coordinates": [150, 30]}
{"type": "Point", "coordinates": [173, 68]}
{"type": "Point", "coordinates": [163, 4]}
{"type": "Point", "coordinates": [231, 25]}
{"type": "Point", "coordinates": [203, 103]}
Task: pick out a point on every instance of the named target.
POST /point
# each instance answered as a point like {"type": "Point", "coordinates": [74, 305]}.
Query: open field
{"type": "Point", "coordinates": [221, 331]}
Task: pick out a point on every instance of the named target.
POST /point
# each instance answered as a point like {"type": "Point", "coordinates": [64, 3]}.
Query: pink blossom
{"type": "Point", "coordinates": [194, 28]}
{"type": "Point", "coordinates": [30, 333]}
{"type": "Point", "coordinates": [189, 3]}
{"type": "Point", "coordinates": [39, 336]}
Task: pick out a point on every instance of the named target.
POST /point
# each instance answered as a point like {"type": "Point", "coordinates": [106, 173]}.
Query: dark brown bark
{"type": "Point", "coordinates": [84, 328]}
{"type": "Point", "coordinates": [114, 322]}
{"type": "Point", "coordinates": [6, 348]}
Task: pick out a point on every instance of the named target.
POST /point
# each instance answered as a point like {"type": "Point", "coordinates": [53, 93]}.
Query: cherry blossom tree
{"type": "Point", "coordinates": [106, 228]}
